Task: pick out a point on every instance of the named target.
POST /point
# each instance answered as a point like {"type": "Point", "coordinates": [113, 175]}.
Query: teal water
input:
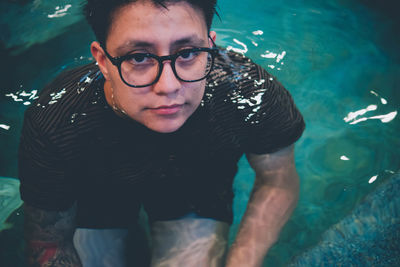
{"type": "Point", "coordinates": [340, 61]}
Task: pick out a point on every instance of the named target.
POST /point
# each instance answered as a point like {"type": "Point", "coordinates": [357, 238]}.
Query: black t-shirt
{"type": "Point", "coordinates": [74, 148]}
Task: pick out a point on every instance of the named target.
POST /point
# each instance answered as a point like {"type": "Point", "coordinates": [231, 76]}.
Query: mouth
{"type": "Point", "coordinates": [167, 109]}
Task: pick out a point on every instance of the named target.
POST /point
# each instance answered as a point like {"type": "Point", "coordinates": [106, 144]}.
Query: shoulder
{"type": "Point", "coordinates": [63, 97]}
{"type": "Point", "coordinates": [239, 82]}
{"type": "Point", "coordinates": [252, 103]}
{"type": "Point", "coordinates": [243, 88]}
{"type": "Point", "coordinates": [240, 68]}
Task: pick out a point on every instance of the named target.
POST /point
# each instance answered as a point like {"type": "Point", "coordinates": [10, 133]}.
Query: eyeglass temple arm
{"type": "Point", "coordinates": [214, 45]}
{"type": "Point", "coordinates": [112, 59]}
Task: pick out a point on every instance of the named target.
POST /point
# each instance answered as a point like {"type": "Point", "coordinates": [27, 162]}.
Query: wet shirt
{"type": "Point", "coordinates": [74, 148]}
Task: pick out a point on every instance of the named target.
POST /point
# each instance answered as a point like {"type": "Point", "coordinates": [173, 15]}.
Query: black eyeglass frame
{"type": "Point", "coordinates": [117, 61]}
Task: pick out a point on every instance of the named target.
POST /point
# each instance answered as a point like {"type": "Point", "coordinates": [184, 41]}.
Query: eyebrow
{"type": "Point", "coordinates": [131, 44]}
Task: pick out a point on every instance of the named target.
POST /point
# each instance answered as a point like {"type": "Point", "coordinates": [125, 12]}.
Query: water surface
{"type": "Point", "coordinates": [339, 59]}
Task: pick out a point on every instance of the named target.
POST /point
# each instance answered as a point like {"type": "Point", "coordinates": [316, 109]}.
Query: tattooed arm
{"type": "Point", "coordinates": [48, 236]}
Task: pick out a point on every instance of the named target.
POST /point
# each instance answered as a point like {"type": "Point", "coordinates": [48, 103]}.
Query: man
{"type": "Point", "coordinates": [160, 120]}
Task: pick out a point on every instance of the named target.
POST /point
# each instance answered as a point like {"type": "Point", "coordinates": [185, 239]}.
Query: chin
{"type": "Point", "coordinates": [166, 127]}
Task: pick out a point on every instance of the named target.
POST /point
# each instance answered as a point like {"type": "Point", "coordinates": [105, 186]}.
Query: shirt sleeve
{"type": "Point", "coordinates": [41, 168]}
{"type": "Point", "coordinates": [268, 117]}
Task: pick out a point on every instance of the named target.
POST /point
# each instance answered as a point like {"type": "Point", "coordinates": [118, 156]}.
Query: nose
{"type": "Point", "coordinates": [167, 83]}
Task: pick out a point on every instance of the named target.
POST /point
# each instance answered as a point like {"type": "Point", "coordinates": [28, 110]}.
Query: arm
{"type": "Point", "coordinates": [48, 236]}
{"type": "Point", "coordinates": [273, 199]}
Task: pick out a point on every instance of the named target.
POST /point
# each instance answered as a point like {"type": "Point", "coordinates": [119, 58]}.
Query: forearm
{"type": "Point", "coordinates": [271, 204]}
{"type": "Point", "coordinates": [48, 237]}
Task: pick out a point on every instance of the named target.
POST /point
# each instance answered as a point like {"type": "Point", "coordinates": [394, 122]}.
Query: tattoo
{"type": "Point", "coordinates": [42, 251]}
{"type": "Point", "coordinates": [48, 237]}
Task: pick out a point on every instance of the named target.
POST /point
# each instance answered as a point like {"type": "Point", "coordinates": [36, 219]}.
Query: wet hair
{"type": "Point", "coordinates": [99, 13]}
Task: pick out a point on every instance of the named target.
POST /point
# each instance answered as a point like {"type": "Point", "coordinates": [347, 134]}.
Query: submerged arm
{"type": "Point", "coordinates": [48, 236]}
{"type": "Point", "coordinates": [273, 199]}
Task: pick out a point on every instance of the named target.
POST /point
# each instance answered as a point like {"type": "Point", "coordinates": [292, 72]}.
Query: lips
{"type": "Point", "coordinates": [167, 109]}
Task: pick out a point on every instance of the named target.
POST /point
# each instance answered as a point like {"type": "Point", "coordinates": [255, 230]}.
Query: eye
{"type": "Point", "coordinates": [139, 59]}
{"type": "Point", "coordinates": [187, 54]}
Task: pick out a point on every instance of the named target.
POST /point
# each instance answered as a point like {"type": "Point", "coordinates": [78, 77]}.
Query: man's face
{"type": "Point", "coordinates": [144, 27]}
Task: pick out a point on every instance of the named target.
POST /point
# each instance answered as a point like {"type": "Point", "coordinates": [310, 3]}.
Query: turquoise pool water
{"type": "Point", "coordinates": [340, 60]}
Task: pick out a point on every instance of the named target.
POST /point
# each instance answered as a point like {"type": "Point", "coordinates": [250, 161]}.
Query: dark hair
{"type": "Point", "coordinates": [99, 13]}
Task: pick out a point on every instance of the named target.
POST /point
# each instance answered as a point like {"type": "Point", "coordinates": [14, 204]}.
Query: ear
{"type": "Point", "coordinates": [100, 57]}
{"type": "Point", "coordinates": [213, 36]}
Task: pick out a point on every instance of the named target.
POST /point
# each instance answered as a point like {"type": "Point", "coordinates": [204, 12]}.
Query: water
{"type": "Point", "coordinates": [339, 59]}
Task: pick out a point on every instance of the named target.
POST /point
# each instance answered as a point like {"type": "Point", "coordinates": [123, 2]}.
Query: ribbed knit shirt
{"type": "Point", "coordinates": [74, 148]}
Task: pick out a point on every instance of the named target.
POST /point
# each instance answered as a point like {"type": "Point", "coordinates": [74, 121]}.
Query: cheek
{"type": "Point", "coordinates": [125, 98]}
{"type": "Point", "coordinates": [197, 92]}
{"type": "Point", "coordinates": [115, 80]}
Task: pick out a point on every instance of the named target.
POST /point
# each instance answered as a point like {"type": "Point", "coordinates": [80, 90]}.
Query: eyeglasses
{"type": "Point", "coordinates": [144, 69]}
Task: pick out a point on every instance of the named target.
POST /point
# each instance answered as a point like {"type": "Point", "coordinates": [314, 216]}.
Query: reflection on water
{"type": "Point", "coordinates": [59, 12]}
{"type": "Point", "coordinates": [352, 117]}
{"type": "Point", "coordinates": [373, 179]}
{"type": "Point", "coordinates": [25, 98]}
{"type": "Point", "coordinates": [5, 127]}
{"type": "Point", "coordinates": [383, 118]}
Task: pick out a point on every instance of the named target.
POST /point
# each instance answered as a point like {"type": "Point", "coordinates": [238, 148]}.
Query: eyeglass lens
{"type": "Point", "coordinates": [140, 69]}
